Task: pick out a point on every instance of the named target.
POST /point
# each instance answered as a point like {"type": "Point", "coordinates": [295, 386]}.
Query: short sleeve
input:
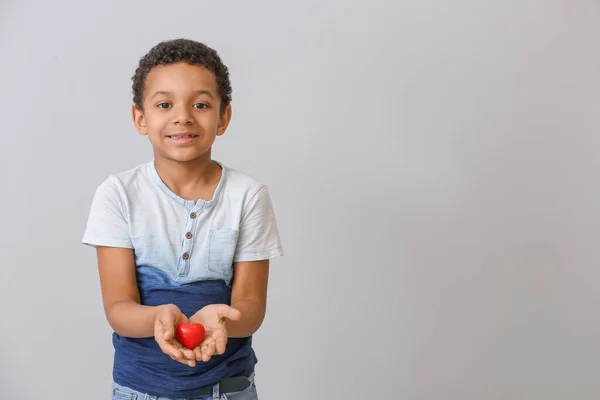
{"type": "Point", "coordinates": [259, 236]}
{"type": "Point", "coordinates": [107, 222]}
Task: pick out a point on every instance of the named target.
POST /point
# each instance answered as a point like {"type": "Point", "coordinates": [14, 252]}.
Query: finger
{"type": "Point", "coordinates": [208, 350]}
{"type": "Point", "coordinates": [183, 361]}
{"type": "Point", "coordinates": [183, 351]}
{"type": "Point", "coordinates": [175, 352]}
{"type": "Point", "coordinates": [170, 350]}
{"type": "Point", "coordinates": [175, 349]}
{"type": "Point", "coordinates": [198, 353]}
{"type": "Point", "coordinates": [220, 345]}
{"type": "Point", "coordinates": [189, 354]}
{"type": "Point", "coordinates": [164, 345]}
{"type": "Point", "coordinates": [229, 312]}
{"type": "Point", "coordinates": [177, 359]}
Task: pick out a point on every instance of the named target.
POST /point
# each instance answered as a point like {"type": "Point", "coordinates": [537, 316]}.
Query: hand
{"type": "Point", "coordinates": [213, 318]}
{"type": "Point", "coordinates": [169, 316]}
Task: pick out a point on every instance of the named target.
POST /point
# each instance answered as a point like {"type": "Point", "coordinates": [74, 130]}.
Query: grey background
{"type": "Point", "coordinates": [433, 166]}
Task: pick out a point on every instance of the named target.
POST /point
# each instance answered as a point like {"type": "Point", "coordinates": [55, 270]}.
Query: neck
{"type": "Point", "coordinates": [187, 177]}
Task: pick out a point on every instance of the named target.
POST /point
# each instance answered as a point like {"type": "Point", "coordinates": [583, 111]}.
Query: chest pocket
{"type": "Point", "coordinates": [221, 249]}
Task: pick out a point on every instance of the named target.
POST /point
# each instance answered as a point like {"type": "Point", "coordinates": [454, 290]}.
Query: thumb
{"type": "Point", "coordinates": [167, 321]}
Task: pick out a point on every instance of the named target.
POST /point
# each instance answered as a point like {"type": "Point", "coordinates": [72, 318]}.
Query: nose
{"type": "Point", "coordinates": [183, 116]}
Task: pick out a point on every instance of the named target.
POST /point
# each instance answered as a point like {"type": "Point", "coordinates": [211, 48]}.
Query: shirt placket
{"type": "Point", "coordinates": [185, 254]}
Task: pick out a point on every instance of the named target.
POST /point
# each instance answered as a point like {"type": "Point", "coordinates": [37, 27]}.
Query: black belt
{"type": "Point", "coordinates": [227, 385]}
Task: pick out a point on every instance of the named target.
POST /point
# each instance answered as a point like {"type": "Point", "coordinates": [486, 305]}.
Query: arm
{"type": "Point", "coordinates": [108, 230]}
{"type": "Point", "coordinates": [120, 294]}
{"type": "Point", "coordinates": [243, 317]}
{"type": "Point", "coordinates": [249, 296]}
{"type": "Point", "coordinates": [126, 315]}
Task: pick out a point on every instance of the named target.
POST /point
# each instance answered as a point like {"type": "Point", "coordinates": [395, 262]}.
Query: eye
{"type": "Point", "coordinates": [200, 106]}
{"type": "Point", "coordinates": [163, 105]}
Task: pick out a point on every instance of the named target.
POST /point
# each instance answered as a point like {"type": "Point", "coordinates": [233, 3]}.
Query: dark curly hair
{"type": "Point", "coordinates": [178, 50]}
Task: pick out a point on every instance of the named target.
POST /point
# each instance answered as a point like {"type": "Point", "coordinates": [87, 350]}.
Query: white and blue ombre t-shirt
{"type": "Point", "coordinates": [184, 255]}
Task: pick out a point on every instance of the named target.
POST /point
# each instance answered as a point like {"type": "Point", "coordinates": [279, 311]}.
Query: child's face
{"type": "Point", "coordinates": [181, 112]}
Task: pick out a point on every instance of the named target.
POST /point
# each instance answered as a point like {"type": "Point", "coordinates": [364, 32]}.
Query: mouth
{"type": "Point", "coordinates": [182, 138]}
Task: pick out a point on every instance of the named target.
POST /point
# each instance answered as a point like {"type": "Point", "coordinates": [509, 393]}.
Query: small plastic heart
{"type": "Point", "coordinates": [190, 335]}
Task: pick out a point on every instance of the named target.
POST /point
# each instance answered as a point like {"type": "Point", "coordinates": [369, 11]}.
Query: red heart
{"type": "Point", "coordinates": [190, 335]}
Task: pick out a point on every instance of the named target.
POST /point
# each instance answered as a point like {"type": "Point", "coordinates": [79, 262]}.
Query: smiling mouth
{"type": "Point", "coordinates": [182, 136]}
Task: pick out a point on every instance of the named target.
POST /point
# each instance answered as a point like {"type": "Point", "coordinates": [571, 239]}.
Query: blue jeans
{"type": "Point", "coordinates": [124, 393]}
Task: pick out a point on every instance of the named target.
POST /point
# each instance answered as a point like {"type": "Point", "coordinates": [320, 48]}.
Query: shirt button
{"type": "Point", "coordinates": [193, 215]}
{"type": "Point", "coordinates": [185, 256]}
{"type": "Point", "coordinates": [188, 235]}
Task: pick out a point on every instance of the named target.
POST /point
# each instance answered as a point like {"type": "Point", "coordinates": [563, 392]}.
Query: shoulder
{"type": "Point", "coordinates": [131, 176]}
{"type": "Point", "coordinates": [241, 185]}
{"type": "Point", "coordinates": [124, 182]}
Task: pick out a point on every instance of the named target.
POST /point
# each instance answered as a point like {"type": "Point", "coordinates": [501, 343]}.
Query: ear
{"type": "Point", "coordinates": [224, 121]}
{"type": "Point", "coordinates": [138, 119]}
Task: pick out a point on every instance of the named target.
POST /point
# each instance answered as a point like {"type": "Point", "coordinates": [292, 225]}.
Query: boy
{"type": "Point", "coordinates": [183, 238]}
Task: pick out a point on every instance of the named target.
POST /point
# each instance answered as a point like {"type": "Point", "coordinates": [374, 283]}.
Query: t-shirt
{"type": "Point", "coordinates": [184, 254]}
